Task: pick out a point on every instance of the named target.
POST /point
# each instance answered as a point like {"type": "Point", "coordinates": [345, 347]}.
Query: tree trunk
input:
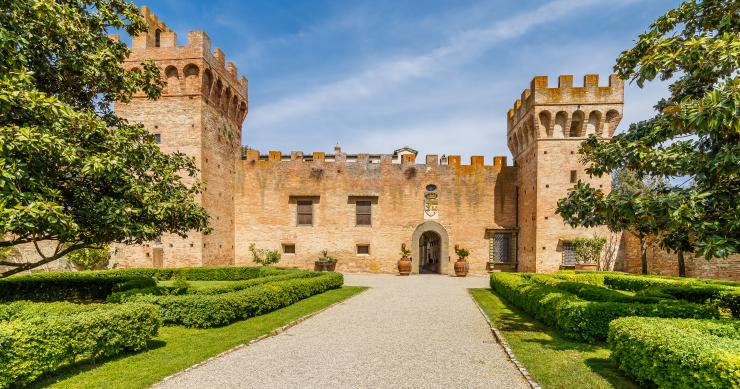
{"type": "Point", "coordinates": [681, 265]}
{"type": "Point", "coordinates": [643, 254]}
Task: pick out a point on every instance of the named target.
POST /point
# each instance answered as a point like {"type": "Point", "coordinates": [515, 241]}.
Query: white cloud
{"type": "Point", "coordinates": [392, 72]}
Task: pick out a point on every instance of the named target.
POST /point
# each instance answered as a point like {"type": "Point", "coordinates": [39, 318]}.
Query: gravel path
{"type": "Point", "coordinates": [422, 331]}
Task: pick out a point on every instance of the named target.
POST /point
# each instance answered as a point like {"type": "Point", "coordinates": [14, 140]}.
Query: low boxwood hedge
{"type": "Point", "coordinates": [205, 273]}
{"type": "Point", "coordinates": [581, 319]}
{"type": "Point", "coordinates": [37, 338]}
{"type": "Point", "coordinates": [69, 286]}
{"type": "Point", "coordinates": [246, 284]}
{"type": "Point", "coordinates": [678, 353]}
{"type": "Point", "coordinates": [591, 292]}
{"type": "Point", "coordinates": [204, 311]}
{"type": "Point", "coordinates": [720, 296]}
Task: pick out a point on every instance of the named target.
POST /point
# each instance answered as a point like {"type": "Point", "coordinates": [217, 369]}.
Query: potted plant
{"type": "Point", "coordinates": [588, 252]}
{"type": "Point", "coordinates": [404, 264]}
{"type": "Point", "coordinates": [325, 262]}
{"type": "Point", "coordinates": [461, 266]}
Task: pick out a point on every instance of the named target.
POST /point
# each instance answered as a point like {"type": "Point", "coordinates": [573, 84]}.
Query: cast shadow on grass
{"type": "Point", "coordinates": [88, 364]}
{"type": "Point", "coordinates": [529, 330]}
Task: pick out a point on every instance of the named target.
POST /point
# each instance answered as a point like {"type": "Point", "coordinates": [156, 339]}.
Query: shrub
{"type": "Point", "coordinates": [264, 257]}
{"type": "Point", "coordinates": [678, 353]}
{"type": "Point", "coordinates": [578, 318]}
{"type": "Point", "coordinates": [246, 284]}
{"type": "Point", "coordinates": [204, 311]}
{"type": "Point", "coordinates": [70, 286]}
{"type": "Point", "coordinates": [206, 273]}
{"type": "Point", "coordinates": [719, 296]}
{"type": "Point", "coordinates": [42, 337]}
{"type": "Point", "coordinates": [89, 259]}
{"type": "Point", "coordinates": [587, 277]}
{"type": "Point", "coordinates": [591, 292]}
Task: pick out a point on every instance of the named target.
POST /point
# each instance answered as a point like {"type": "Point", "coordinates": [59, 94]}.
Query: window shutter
{"type": "Point", "coordinates": [305, 212]}
{"type": "Point", "coordinates": [364, 212]}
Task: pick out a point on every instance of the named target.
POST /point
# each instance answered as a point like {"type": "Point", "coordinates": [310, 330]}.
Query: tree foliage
{"type": "Point", "coordinates": [71, 171]}
{"type": "Point", "coordinates": [264, 257]}
{"type": "Point", "coordinates": [89, 259]}
{"type": "Point", "coordinates": [694, 135]}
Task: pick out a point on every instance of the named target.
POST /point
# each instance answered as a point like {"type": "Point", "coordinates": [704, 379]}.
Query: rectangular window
{"type": "Point", "coordinates": [573, 176]}
{"type": "Point", "coordinates": [363, 249]}
{"type": "Point", "coordinates": [501, 248]}
{"type": "Point", "coordinates": [569, 253]}
{"type": "Point", "coordinates": [363, 212]}
{"type": "Point", "coordinates": [157, 138]}
{"type": "Point", "coordinates": [288, 248]}
{"type": "Point", "coordinates": [305, 212]}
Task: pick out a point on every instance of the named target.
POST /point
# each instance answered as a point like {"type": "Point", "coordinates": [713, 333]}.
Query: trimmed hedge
{"type": "Point", "coordinates": [206, 273]}
{"type": "Point", "coordinates": [69, 286]}
{"type": "Point", "coordinates": [723, 297]}
{"type": "Point", "coordinates": [246, 284]}
{"type": "Point", "coordinates": [205, 311]}
{"type": "Point", "coordinates": [582, 319]}
{"type": "Point", "coordinates": [38, 338]}
{"type": "Point", "coordinates": [591, 292]}
{"type": "Point", "coordinates": [678, 353]}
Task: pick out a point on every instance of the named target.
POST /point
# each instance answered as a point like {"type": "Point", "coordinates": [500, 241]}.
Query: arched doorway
{"type": "Point", "coordinates": [429, 252]}
{"type": "Point", "coordinates": [429, 248]}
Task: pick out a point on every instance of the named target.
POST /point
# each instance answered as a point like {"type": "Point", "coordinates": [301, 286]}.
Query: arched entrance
{"type": "Point", "coordinates": [429, 252]}
{"type": "Point", "coordinates": [429, 248]}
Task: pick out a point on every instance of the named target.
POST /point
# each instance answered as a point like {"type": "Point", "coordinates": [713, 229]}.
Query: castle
{"type": "Point", "coordinates": [362, 207]}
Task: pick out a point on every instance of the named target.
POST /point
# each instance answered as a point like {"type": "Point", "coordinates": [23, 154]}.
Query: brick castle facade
{"type": "Point", "coordinates": [362, 207]}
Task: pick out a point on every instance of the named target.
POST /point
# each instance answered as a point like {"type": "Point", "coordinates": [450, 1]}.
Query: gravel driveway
{"type": "Point", "coordinates": [422, 331]}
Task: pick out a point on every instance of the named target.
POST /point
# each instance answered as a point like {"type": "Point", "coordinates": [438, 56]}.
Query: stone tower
{"type": "Point", "coordinates": [545, 130]}
{"type": "Point", "coordinates": [200, 113]}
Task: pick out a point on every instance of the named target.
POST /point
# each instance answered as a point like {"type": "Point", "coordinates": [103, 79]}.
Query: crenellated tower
{"type": "Point", "coordinates": [545, 129]}
{"type": "Point", "coordinates": [200, 113]}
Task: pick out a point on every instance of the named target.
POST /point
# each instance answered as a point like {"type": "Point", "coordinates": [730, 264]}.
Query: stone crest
{"type": "Point", "coordinates": [431, 203]}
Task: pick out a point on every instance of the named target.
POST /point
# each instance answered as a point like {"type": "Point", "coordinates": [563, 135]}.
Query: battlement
{"type": "Point", "coordinates": [159, 44]}
{"type": "Point", "coordinates": [343, 158]}
{"type": "Point", "coordinates": [539, 93]}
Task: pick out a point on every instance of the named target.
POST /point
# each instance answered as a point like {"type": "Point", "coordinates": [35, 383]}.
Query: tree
{"type": "Point", "coordinates": [71, 171]}
{"type": "Point", "coordinates": [694, 135]}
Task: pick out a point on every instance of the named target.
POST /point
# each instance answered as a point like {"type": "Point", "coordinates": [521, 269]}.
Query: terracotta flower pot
{"type": "Point", "coordinates": [404, 266]}
{"type": "Point", "coordinates": [587, 266]}
{"type": "Point", "coordinates": [324, 266]}
{"type": "Point", "coordinates": [461, 268]}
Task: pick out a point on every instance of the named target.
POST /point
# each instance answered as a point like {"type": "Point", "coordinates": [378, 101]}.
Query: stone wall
{"type": "Point", "coordinates": [664, 263]}
{"type": "Point", "coordinates": [472, 199]}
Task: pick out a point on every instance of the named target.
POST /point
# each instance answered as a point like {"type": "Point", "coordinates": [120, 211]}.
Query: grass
{"type": "Point", "coordinates": [553, 360]}
{"type": "Point", "coordinates": [177, 348]}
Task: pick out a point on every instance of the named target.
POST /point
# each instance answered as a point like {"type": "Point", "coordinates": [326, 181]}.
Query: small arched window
{"type": "Point", "coordinates": [157, 37]}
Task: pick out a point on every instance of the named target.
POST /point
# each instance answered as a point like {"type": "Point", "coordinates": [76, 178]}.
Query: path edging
{"type": "Point", "coordinates": [272, 333]}
{"type": "Point", "coordinates": [502, 341]}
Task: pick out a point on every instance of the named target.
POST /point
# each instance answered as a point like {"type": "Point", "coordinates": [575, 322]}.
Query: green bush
{"type": "Point", "coordinates": [578, 318]}
{"type": "Point", "coordinates": [678, 353]}
{"type": "Point", "coordinates": [587, 277]}
{"type": "Point", "coordinates": [246, 284]}
{"type": "Point", "coordinates": [212, 273]}
{"type": "Point", "coordinates": [38, 338]}
{"type": "Point", "coordinates": [69, 286]}
{"type": "Point", "coordinates": [635, 282]}
{"type": "Point", "coordinates": [204, 311]}
{"type": "Point", "coordinates": [591, 292]}
{"type": "Point", "coordinates": [716, 295]}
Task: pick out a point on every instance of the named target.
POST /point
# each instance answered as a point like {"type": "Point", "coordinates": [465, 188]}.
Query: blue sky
{"type": "Point", "coordinates": [436, 75]}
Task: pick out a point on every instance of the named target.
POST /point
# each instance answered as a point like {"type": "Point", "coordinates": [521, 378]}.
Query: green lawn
{"type": "Point", "coordinates": [176, 348]}
{"type": "Point", "coordinates": [552, 360]}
